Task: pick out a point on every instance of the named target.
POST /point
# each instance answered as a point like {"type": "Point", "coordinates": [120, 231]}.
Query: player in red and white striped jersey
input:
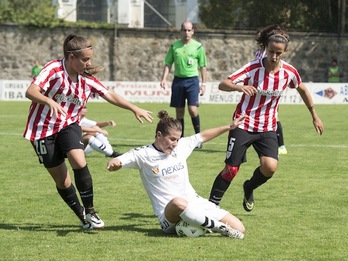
{"type": "Point", "coordinates": [262, 83]}
{"type": "Point", "coordinates": [58, 94]}
{"type": "Point", "coordinates": [261, 39]}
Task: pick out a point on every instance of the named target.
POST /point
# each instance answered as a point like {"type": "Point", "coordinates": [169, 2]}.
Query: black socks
{"type": "Point", "coordinates": [71, 199]}
{"type": "Point", "coordinates": [83, 181]}
{"type": "Point", "coordinates": [256, 180]}
{"type": "Point", "coordinates": [218, 190]}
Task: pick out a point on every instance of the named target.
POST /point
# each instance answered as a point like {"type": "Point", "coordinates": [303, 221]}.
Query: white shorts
{"type": "Point", "coordinates": [202, 205]}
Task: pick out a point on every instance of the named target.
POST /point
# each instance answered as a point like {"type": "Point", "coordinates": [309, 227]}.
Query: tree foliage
{"type": "Point", "coordinates": [299, 15]}
{"type": "Point", "coordinates": [40, 13]}
{"type": "Point", "coordinates": [293, 15]}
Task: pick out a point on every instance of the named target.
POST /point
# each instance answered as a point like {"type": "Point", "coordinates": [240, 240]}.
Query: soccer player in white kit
{"type": "Point", "coordinates": [95, 137]}
{"type": "Point", "coordinates": [164, 174]}
{"type": "Point", "coordinates": [58, 94]}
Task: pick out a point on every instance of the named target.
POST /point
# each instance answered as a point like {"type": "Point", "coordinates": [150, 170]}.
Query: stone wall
{"type": "Point", "coordinates": [137, 54]}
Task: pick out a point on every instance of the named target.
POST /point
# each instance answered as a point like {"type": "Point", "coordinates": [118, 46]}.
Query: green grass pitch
{"type": "Point", "coordinates": [300, 214]}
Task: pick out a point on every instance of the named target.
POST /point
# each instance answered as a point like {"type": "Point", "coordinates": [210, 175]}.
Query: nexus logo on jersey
{"type": "Point", "coordinates": [172, 169]}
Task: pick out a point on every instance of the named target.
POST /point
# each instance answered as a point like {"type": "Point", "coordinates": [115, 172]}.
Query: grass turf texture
{"type": "Point", "coordinates": [300, 214]}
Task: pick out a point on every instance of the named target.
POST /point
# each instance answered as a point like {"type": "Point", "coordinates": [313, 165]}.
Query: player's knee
{"type": "Point", "coordinates": [229, 172]}
{"type": "Point", "coordinates": [178, 203]}
{"type": "Point", "coordinates": [268, 167]}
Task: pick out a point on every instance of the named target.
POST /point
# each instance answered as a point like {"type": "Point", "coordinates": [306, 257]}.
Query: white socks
{"type": "Point", "coordinates": [100, 143]}
{"type": "Point", "coordinates": [194, 217]}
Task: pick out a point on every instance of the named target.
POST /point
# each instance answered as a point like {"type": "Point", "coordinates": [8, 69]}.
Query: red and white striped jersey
{"type": "Point", "coordinates": [259, 54]}
{"type": "Point", "coordinates": [262, 108]}
{"type": "Point", "coordinates": [72, 96]}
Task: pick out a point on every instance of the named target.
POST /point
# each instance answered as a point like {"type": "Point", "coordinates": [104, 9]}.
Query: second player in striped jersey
{"type": "Point", "coordinates": [261, 82]}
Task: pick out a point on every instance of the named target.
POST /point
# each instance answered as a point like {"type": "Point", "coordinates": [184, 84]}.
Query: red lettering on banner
{"type": "Point", "coordinates": [135, 85]}
{"type": "Point", "coordinates": [146, 93]}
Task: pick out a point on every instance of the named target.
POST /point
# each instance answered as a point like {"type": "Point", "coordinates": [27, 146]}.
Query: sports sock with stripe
{"type": "Point", "coordinates": [70, 197]}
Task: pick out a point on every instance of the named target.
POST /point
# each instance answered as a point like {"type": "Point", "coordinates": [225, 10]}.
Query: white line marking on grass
{"type": "Point", "coordinates": [219, 143]}
{"type": "Point", "coordinates": [10, 134]}
{"type": "Point", "coordinates": [319, 146]}
{"type": "Point", "coordinates": [215, 143]}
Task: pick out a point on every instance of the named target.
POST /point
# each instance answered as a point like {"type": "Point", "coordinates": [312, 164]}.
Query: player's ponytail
{"type": "Point", "coordinates": [167, 123]}
{"type": "Point", "coordinates": [92, 70]}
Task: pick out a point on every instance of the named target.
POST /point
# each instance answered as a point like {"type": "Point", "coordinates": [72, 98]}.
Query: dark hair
{"type": "Point", "coordinates": [75, 44]}
{"type": "Point", "coordinates": [166, 123]}
{"type": "Point", "coordinates": [272, 33]}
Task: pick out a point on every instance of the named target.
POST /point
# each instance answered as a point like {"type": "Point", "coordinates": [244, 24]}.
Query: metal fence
{"type": "Point", "coordinates": [327, 16]}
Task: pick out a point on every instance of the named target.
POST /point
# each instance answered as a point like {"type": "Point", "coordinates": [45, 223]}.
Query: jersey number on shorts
{"type": "Point", "coordinates": [230, 147]}
{"type": "Point", "coordinates": [40, 147]}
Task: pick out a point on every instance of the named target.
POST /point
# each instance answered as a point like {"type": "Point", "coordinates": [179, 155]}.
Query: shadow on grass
{"type": "Point", "coordinates": [140, 222]}
{"type": "Point", "coordinates": [61, 230]}
{"type": "Point", "coordinates": [151, 232]}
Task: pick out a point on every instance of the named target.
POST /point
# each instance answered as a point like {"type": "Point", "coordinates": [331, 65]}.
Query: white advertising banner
{"type": "Point", "coordinates": [322, 93]}
{"type": "Point", "coordinates": [13, 90]}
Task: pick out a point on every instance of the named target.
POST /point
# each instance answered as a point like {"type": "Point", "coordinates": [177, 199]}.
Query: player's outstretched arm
{"type": "Point", "coordinates": [307, 99]}
{"type": "Point", "coordinates": [117, 100]}
{"type": "Point", "coordinates": [214, 132]}
{"type": "Point", "coordinates": [114, 164]}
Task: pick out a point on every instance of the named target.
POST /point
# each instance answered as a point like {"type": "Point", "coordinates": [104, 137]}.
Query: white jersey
{"type": "Point", "coordinates": [84, 122]}
{"type": "Point", "coordinates": [163, 176]}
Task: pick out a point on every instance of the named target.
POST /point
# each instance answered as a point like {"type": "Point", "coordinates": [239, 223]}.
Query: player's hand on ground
{"type": "Point", "coordinates": [114, 164]}
{"type": "Point", "coordinates": [238, 121]}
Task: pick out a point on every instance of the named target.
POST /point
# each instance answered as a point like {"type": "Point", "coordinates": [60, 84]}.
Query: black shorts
{"type": "Point", "coordinates": [264, 143]}
{"type": "Point", "coordinates": [52, 150]}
